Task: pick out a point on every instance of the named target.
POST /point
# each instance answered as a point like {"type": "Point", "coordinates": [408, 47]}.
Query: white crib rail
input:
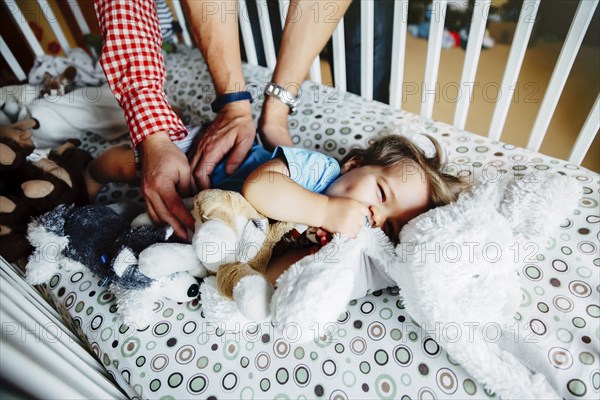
{"type": "Point", "coordinates": [367, 34]}
{"type": "Point", "coordinates": [339, 56]}
{"type": "Point", "coordinates": [246, 31]}
{"type": "Point", "coordinates": [398, 52]}
{"type": "Point", "coordinates": [38, 352]}
{"type": "Point", "coordinates": [185, 33]}
{"type": "Point", "coordinates": [12, 61]}
{"type": "Point", "coordinates": [19, 18]}
{"type": "Point", "coordinates": [81, 22]}
{"type": "Point", "coordinates": [587, 134]}
{"type": "Point", "coordinates": [434, 50]}
{"type": "Point", "coordinates": [577, 31]}
{"type": "Point", "coordinates": [513, 66]}
{"type": "Point", "coordinates": [51, 18]}
{"type": "Point", "coordinates": [266, 33]}
{"type": "Point", "coordinates": [480, 15]}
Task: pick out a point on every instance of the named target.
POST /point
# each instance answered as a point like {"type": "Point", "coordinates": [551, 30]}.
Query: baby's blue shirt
{"type": "Point", "coordinates": [312, 170]}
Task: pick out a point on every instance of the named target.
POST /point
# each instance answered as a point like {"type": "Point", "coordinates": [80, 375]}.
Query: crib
{"type": "Point", "coordinates": [63, 340]}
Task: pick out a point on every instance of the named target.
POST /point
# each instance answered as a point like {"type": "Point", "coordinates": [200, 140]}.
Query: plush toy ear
{"type": "Point", "coordinates": [70, 72]}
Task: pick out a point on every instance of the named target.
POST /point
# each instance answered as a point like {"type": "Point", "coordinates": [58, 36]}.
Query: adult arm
{"type": "Point", "coordinates": [232, 133]}
{"type": "Point", "coordinates": [308, 27]}
{"type": "Point", "coordinates": [273, 193]}
{"type": "Point", "coordinates": [134, 67]}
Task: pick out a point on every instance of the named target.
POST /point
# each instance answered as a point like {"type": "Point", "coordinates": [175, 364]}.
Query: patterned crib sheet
{"type": "Point", "coordinates": [375, 350]}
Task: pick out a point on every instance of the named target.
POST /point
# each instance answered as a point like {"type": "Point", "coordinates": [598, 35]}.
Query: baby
{"type": "Point", "coordinates": [384, 186]}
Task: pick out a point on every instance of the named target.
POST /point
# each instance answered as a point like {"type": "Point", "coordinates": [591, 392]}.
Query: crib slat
{"type": "Point", "coordinates": [247, 36]}
{"type": "Point", "coordinates": [58, 360]}
{"type": "Point", "coordinates": [180, 15]}
{"type": "Point", "coordinates": [284, 6]}
{"type": "Point", "coordinates": [315, 67]}
{"type": "Point", "coordinates": [434, 49]}
{"type": "Point", "coordinates": [398, 52]}
{"type": "Point", "coordinates": [266, 33]}
{"type": "Point", "coordinates": [18, 17]}
{"type": "Point", "coordinates": [315, 70]}
{"type": "Point", "coordinates": [480, 15]}
{"type": "Point", "coordinates": [53, 22]}
{"type": "Point", "coordinates": [76, 10]}
{"type": "Point", "coordinates": [339, 57]}
{"type": "Point", "coordinates": [583, 17]}
{"type": "Point", "coordinates": [367, 35]}
{"type": "Point", "coordinates": [31, 304]}
{"type": "Point", "coordinates": [587, 134]}
{"type": "Point", "coordinates": [513, 66]}
{"type": "Point", "coordinates": [12, 61]}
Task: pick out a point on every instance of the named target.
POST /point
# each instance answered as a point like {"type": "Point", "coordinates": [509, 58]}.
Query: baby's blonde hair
{"type": "Point", "coordinates": [392, 150]}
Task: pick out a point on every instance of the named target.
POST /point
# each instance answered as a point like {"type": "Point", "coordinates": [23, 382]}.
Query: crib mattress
{"type": "Point", "coordinates": [375, 349]}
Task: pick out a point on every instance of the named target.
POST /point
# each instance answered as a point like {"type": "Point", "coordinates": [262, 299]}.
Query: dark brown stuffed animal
{"type": "Point", "coordinates": [31, 188]}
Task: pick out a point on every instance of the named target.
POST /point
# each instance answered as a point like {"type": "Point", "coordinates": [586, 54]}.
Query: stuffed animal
{"type": "Point", "coordinates": [138, 263]}
{"type": "Point", "coordinates": [235, 242]}
{"type": "Point", "coordinates": [60, 84]}
{"type": "Point", "coordinates": [32, 184]}
{"type": "Point", "coordinates": [454, 266]}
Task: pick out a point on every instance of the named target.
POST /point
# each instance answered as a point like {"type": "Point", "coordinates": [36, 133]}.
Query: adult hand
{"type": "Point", "coordinates": [231, 132]}
{"type": "Point", "coordinates": [165, 178]}
{"type": "Point", "coordinates": [344, 215]}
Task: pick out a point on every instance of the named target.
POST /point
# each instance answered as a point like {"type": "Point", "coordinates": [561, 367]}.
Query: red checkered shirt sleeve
{"type": "Point", "coordinates": [133, 63]}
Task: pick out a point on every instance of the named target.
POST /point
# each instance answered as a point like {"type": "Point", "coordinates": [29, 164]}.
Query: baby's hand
{"type": "Point", "coordinates": [345, 216]}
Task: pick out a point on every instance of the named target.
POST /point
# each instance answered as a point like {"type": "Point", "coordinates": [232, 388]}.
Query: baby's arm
{"type": "Point", "coordinates": [273, 193]}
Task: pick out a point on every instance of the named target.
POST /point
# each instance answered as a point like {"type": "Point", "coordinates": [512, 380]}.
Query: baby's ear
{"type": "Point", "coordinates": [353, 162]}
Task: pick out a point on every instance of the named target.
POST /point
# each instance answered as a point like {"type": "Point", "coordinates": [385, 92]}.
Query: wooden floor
{"type": "Point", "coordinates": [582, 87]}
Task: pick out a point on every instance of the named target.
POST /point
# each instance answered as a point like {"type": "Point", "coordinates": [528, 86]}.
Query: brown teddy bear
{"type": "Point", "coordinates": [31, 184]}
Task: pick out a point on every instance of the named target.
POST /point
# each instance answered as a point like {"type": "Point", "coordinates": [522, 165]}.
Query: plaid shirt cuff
{"type": "Point", "coordinates": [147, 112]}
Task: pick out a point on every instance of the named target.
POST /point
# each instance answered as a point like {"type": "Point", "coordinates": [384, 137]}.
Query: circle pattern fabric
{"type": "Point", "coordinates": [374, 350]}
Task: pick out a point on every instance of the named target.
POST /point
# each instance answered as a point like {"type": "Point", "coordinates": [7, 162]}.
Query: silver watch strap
{"type": "Point", "coordinates": [283, 95]}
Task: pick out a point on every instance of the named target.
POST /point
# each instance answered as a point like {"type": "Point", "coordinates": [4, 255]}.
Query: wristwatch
{"type": "Point", "coordinates": [283, 95]}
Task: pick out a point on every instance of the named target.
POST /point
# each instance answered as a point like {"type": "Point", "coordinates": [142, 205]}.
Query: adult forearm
{"type": "Point", "coordinates": [215, 28]}
{"type": "Point", "coordinates": [308, 27]}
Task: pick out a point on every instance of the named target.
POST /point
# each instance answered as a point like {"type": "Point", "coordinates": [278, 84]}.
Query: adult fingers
{"type": "Point", "coordinates": [168, 208]}
{"type": "Point", "coordinates": [184, 188]}
{"type": "Point", "coordinates": [208, 163]}
{"type": "Point", "coordinates": [238, 154]}
{"type": "Point", "coordinates": [177, 210]}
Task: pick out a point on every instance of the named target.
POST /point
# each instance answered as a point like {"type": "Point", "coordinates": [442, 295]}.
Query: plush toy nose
{"type": "Point", "coordinates": [193, 290]}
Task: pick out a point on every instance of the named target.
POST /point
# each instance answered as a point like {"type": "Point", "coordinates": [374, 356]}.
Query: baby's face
{"type": "Point", "coordinates": [394, 195]}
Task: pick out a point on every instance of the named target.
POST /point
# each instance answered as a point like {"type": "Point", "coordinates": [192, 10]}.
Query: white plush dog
{"type": "Point", "coordinates": [137, 263]}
